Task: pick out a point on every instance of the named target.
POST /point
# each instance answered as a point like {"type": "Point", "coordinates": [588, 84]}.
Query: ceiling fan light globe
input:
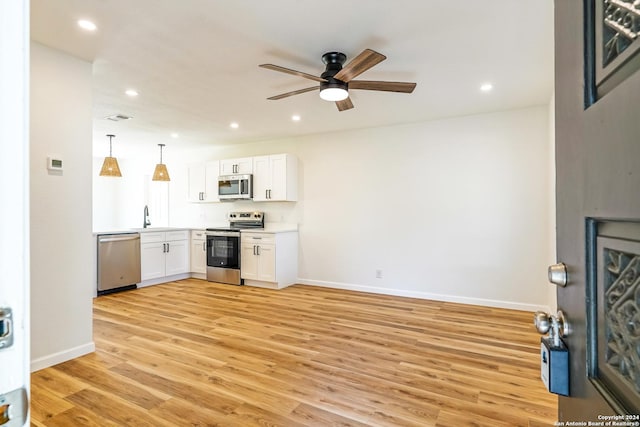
{"type": "Point", "coordinates": [334, 94]}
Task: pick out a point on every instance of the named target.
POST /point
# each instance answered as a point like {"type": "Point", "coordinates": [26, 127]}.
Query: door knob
{"type": "Point", "coordinates": [558, 274]}
{"type": "Point", "coordinates": [556, 325]}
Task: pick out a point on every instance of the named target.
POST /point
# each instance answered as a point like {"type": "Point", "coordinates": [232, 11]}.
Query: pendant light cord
{"type": "Point", "coordinates": [110, 153]}
{"type": "Point", "coordinates": [161, 145]}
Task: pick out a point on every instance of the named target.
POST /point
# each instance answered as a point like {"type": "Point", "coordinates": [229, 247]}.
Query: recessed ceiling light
{"type": "Point", "coordinates": [131, 92]}
{"type": "Point", "coordinates": [87, 25]}
{"type": "Point", "coordinates": [234, 125]}
{"type": "Point", "coordinates": [175, 135]}
{"type": "Point", "coordinates": [486, 87]}
{"type": "Point", "coordinates": [295, 118]}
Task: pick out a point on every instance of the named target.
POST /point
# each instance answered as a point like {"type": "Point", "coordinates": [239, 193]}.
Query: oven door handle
{"type": "Point", "coordinates": [211, 234]}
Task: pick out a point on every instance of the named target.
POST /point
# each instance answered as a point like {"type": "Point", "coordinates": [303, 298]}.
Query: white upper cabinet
{"type": "Point", "coordinates": [203, 182]}
{"type": "Point", "coordinates": [275, 178]}
{"type": "Point", "coordinates": [236, 166]}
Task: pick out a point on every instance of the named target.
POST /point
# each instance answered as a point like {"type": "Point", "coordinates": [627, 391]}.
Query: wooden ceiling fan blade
{"type": "Point", "coordinates": [403, 87]}
{"type": "Point", "coordinates": [345, 104]}
{"type": "Point", "coordinates": [293, 92]}
{"type": "Point", "coordinates": [358, 65]}
{"type": "Point", "coordinates": [292, 72]}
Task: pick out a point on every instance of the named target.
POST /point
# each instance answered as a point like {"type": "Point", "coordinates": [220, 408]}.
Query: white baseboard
{"type": "Point", "coordinates": [62, 356]}
{"type": "Point", "coordinates": [164, 279]}
{"type": "Point", "coordinates": [426, 295]}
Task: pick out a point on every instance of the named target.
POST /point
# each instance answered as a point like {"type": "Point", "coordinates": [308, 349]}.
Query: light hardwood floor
{"type": "Point", "coordinates": [194, 353]}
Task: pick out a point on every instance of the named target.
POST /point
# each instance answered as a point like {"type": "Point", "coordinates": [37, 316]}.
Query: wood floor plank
{"type": "Point", "coordinates": [196, 353]}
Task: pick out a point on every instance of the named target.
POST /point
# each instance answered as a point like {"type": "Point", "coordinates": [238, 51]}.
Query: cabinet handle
{"type": "Point", "coordinates": [204, 247]}
{"type": "Point", "coordinates": [269, 193]}
{"type": "Point", "coordinates": [167, 247]}
{"type": "Point", "coordinates": [258, 250]}
{"type": "Point", "coordinates": [266, 194]}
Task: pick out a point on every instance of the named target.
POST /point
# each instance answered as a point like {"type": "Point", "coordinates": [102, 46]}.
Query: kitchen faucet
{"type": "Point", "coordinates": [146, 221]}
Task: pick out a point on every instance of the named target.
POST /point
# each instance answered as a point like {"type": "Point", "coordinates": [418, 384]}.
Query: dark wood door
{"type": "Point", "coordinates": [598, 204]}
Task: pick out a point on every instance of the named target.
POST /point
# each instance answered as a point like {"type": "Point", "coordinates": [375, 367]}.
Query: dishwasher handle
{"type": "Point", "coordinates": [118, 238]}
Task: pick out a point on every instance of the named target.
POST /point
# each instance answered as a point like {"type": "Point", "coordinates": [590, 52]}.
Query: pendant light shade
{"type": "Point", "coordinates": [110, 165]}
{"type": "Point", "coordinates": [161, 173]}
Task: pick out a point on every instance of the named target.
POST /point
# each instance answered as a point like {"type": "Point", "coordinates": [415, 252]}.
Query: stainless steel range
{"type": "Point", "coordinates": [223, 247]}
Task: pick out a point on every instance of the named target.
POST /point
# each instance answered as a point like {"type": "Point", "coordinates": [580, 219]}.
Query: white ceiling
{"type": "Point", "coordinates": [195, 62]}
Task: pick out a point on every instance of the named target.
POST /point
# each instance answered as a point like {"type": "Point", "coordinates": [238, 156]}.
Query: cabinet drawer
{"type": "Point", "coordinates": [177, 235]}
{"type": "Point", "coordinates": [151, 237]}
{"type": "Point", "coordinates": [198, 235]}
{"type": "Point", "coordinates": [258, 238]}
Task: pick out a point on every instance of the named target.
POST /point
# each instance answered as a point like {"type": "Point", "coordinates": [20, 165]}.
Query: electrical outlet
{"type": "Point", "coordinates": [378, 274]}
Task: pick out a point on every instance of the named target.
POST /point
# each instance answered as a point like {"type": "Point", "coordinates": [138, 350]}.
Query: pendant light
{"type": "Point", "coordinates": [110, 165]}
{"type": "Point", "coordinates": [161, 173]}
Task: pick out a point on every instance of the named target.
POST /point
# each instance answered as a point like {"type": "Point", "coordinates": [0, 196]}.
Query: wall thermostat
{"type": "Point", "coordinates": [54, 163]}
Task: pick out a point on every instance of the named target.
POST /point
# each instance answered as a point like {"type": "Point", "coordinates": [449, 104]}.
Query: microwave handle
{"type": "Point", "coordinates": [243, 190]}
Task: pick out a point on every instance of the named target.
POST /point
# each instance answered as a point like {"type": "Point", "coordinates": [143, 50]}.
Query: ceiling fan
{"type": "Point", "coordinates": [336, 80]}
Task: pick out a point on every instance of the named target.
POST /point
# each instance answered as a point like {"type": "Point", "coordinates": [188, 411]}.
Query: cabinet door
{"type": "Point", "coordinates": [261, 178]}
{"type": "Point", "coordinates": [278, 177]}
{"type": "Point", "coordinates": [236, 166]}
{"type": "Point", "coordinates": [198, 256]}
{"type": "Point", "coordinates": [244, 165]}
{"type": "Point", "coordinates": [267, 263]}
{"type": "Point", "coordinates": [177, 257]}
{"type": "Point", "coordinates": [227, 167]}
{"type": "Point", "coordinates": [152, 260]}
{"type": "Point", "coordinates": [197, 179]}
{"type": "Point", "coordinates": [212, 171]}
{"type": "Point", "coordinates": [248, 262]}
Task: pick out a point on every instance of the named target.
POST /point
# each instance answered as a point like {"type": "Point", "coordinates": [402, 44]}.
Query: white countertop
{"type": "Point", "coordinates": [273, 228]}
{"type": "Point", "coordinates": [143, 230]}
{"type": "Point", "coordinates": [268, 228]}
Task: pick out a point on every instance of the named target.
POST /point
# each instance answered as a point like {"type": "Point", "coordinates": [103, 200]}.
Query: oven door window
{"type": "Point", "coordinates": [223, 251]}
{"type": "Point", "coordinates": [229, 187]}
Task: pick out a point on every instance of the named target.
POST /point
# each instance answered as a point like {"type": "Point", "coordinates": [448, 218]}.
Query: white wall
{"type": "Point", "coordinates": [61, 239]}
{"type": "Point", "coordinates": [455, 209]}
{"type": "Point", "coordinates": [118, 202]}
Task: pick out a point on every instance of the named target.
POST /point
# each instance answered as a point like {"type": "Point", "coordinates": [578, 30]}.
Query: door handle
{"type": "Point", "coordinates": [14, 407]}
{"type": "Point", "coordinates": [556, 325]}
{"type": "Point", "coordinates": [558, 274]}
{"type": "Point", "coordinates": [6, 328]}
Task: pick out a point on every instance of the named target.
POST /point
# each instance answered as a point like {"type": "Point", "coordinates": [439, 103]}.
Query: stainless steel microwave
{"type": "Point", "coordinates": [235, 187]}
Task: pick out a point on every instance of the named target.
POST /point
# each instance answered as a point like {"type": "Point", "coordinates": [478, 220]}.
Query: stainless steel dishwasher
{"type": "Point", "coordinates": [118, 262]}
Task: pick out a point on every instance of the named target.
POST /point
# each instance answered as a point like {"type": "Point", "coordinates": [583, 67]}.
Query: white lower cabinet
{"type": "Point", "coordinates": [269, 260]}
{"type": "Point", "coordinates": [258, 262]}
{"type": "Point", "coordinates": [164, 254]}
{"type": "Point", "coordinates": [198, 253]}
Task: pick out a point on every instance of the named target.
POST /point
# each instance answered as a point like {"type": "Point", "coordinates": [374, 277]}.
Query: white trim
{"type": "Point", "coordinates": [426, 295]}
{"type": "Point", "coordinates": [163, 279]}
{"type": "Point", "coordinates": [62, 356]}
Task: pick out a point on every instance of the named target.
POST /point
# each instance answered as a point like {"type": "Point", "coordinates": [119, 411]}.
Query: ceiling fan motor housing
{"type": "Point", "coordinates": [334, 61]}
